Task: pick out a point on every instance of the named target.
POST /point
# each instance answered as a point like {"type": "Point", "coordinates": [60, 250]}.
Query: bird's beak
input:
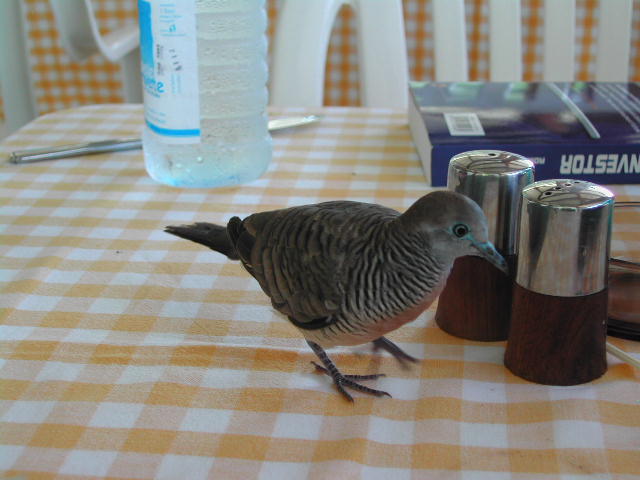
{"type": "Point", "coordinates": [487, 251]}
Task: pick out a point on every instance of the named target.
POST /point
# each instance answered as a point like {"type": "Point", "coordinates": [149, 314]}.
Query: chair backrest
{"type": "Point", "coordinates": [15, 80]}
{"type": "Point", "coordinates": [613, 40]}
{"type": "Point", "coordinates": [301, 41]}
{"type": "Point", "coordinates": [81, 38]}
{"type": "Point", "coordinates": [300, 52]}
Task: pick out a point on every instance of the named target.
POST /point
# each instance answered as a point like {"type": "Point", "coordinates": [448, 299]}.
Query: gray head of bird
{"type": "Point", "coordinates": [454, 226]}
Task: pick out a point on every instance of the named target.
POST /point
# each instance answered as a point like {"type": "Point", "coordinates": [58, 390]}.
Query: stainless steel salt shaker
{"type": "Point", "coordinates": [559, 313]}
{"type": "Point", "coordinates": [476, 302]}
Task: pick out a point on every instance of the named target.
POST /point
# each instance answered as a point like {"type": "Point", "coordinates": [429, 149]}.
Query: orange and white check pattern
{"type": "Point", "coordinates": [128, 353]}
{"type": "Point", "coordinates": [60, 83]}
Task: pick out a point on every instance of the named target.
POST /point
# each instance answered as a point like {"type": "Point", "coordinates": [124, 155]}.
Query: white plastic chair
{"type": "Point", "coordinates": [81, 38]}
{"type": "Point", "coordinates": [300, 49]}
{"type": "Point", "coordinates": [613, 40]}
{"type": "Point", "coordinates": [15, 80]}
{"type": "Point", "coordinates": [302, 36]}
{"type": "Point", "coordinates": [300, 52]}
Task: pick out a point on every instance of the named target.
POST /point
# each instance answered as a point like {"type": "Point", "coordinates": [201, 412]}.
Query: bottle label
{"type": "Point", "coordinates": [168, 52]}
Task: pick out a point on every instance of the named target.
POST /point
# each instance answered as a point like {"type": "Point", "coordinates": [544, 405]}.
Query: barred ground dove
{"type": "Point", "coordinates": [347, 273]}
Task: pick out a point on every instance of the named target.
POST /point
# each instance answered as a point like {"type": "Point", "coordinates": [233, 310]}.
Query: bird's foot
{"type": "Point", "coordinates": [341, 381]}
{"type": "Point", "coordinates": [399, 354]}
{"type": "Point", "coordinates": [373, 376]}
{"type": "Point", "coordinates": [349, 381]}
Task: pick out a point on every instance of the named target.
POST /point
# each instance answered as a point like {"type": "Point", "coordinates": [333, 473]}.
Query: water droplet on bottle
{"type": "Point", "coordinates": [199, 159]}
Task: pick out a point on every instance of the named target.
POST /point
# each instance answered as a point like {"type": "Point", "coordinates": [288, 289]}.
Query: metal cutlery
{"type": "Point", "coordinates": [115, 145]}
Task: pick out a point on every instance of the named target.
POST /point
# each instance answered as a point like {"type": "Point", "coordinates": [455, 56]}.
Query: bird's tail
{"type": "Point", "coordinates": [213, 236]}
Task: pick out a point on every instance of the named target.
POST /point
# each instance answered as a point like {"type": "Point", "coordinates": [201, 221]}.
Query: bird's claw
{"type": "Point", "coordinates": [349, 381]}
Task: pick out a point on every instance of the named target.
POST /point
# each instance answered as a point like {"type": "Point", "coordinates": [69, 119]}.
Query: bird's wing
{"type": "Point", "coordinates": [301, 256]}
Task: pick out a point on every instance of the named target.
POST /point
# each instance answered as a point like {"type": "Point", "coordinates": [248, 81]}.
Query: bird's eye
{"type": "Point", "coordinates": [460, 230]}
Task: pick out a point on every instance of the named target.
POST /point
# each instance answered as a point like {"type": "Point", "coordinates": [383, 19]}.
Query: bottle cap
{"type": "Point", "coordinates": [565, 236]}
{"type": "Point", "coordinates": [494, 180]}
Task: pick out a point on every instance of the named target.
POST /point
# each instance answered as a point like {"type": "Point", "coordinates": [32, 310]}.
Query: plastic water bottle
{"type": "Point", "coordinates": [204, 72]}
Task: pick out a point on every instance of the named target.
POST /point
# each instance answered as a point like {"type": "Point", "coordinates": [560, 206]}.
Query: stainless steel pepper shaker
{"type": "Point", "coordinates": [559, 314]}
{"type": "Point", "coordinates": [476, 302]}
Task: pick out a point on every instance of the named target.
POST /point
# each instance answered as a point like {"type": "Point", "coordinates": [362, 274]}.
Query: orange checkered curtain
{"type": "Point", "coordinates": [60, 83]}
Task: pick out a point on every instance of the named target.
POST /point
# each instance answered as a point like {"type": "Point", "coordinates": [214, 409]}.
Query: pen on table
{"type": "Point", "coordinates": [116, 145]}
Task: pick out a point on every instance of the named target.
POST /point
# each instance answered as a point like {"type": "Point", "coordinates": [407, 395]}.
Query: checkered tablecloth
{"type": "Point", "coordinates": [128, 353]}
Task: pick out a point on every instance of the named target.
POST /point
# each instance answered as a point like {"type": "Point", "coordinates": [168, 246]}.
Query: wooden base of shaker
{"type": "Point", "coordinates": [557, 340]}
{"type": "Point", "coordinates": [476, 301]}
